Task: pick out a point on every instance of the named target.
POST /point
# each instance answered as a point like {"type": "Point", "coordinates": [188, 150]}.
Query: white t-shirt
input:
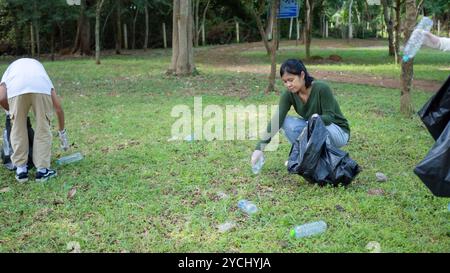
{"type": "Point", "coordinates": [25, 76]}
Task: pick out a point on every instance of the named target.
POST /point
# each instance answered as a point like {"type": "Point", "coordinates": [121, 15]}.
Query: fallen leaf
{"type": "Point", "coordinates": [5, 189]}
{"type": "Point", "coordinates": [71, 193]}
{"type": "Point", "coordinates": [375, 192]}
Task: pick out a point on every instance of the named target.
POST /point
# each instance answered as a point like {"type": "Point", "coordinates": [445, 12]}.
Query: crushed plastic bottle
{"type": "Point", "coordinates": [227, 226]}
{"type": "Point", "coordinates": [308, 229]}
{"type": "Point", "coordinates": [247, 206]}
{"type": "Point", "coordinates": [69, 159]}
{"type": "Point", "coordinates": [416, 40]}
{"type": "Point", "coordinates": [256, 168]}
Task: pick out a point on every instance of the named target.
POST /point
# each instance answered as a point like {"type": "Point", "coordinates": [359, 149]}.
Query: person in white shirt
{"type": "Point", "coordinates": [436, 42]}
{"type": "Point", "coordinates": [24, 85]}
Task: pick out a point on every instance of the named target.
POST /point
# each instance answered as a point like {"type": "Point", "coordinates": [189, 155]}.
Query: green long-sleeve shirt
{"type": "Point", "coordinates": [321, 101]}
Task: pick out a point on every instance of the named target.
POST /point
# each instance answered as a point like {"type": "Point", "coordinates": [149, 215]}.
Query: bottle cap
{"type": "Point", "coordinates": [292, 233]}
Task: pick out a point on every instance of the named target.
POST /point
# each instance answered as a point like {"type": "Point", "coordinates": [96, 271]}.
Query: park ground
{"type": "Point", "coordinates": [137, 192]}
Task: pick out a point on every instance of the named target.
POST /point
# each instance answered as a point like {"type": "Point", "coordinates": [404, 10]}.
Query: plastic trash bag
{"type": "Point", "coordinates": [434, 169]}
{"type": "Point", "coordinates": [6, 149]}
{"type": "Point", "coordinates": [435, 114]}
{"type": "Point", "coordinates": [319, 162]}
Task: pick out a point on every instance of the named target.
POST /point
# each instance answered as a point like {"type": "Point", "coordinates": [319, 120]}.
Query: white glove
{"type": "Point", "coordinates": [430, 40]}
{"type": "Point", "coordinates": [63, 138]}
{"type": "Point", "coordinates": [256, 156]}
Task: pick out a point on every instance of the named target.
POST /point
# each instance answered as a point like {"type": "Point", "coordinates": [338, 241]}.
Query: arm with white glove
{"type": "Point", "coordinates": [436, 42]}
{"type": "Point", "coordinates": [62, 133]}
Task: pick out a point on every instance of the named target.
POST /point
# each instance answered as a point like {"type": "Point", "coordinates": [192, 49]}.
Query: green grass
{"type": "Point", "coordinates": [429, 64]}
{"type": "Point", "coordinates": [137, 192]}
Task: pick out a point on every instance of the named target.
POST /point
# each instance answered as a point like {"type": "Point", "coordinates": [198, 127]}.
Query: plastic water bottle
{"type": "Point", "coordinates": [256, 168]}
{"type": "Point", "coordinates": [7, 149]}
{"type": "Point", "coordinates": [69, 159]}
{"type": "Point", "coordinates": [247, 206]}
{"type": "Point", "coordinates": [415, 41]}
{"type": "Point", "coordinates": [308, 229]}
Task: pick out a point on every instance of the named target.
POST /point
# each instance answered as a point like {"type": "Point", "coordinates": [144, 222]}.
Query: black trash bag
{"type": "Point", "coordinates": [318, 162]}
{"type": "Point", "coordinates": [434, 169]}
{"type": "Point", "coordinates": [435, 114]}
{"type": "Point", "coordinates": [6, 149]}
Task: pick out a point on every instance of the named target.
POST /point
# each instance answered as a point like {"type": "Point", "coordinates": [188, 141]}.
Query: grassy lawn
{"type": "Point", "coordinates": [137, 192]}
{"type": "Point", "coordinates": [429, 64]}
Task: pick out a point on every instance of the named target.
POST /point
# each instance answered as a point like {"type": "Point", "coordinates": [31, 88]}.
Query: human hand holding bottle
{"type": "Point", "coordinates": [257, 154]}
{"type": "Point", "coordinates": [63, 139]}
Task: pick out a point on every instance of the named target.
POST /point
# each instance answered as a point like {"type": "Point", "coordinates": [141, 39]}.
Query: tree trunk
{"type": "Point", "coordinates": [61, 36]}
{"type": "Point", "coordinates": [52, 43]}
{"type": "Point", "coordinates": [273, 49]}
{"type": "Point", "coordinates": [407, 68]}
{"type": "Point", "coordinates": [133, 41]}
{"type": "Point", "coordinates": [350, 25]}
{"type": "Point", "coordinates": [397, 31]}
{"type": "Point", "coordinates": [202, 27]}
{"type": "Point", "coordinates": [18, 39]}
{"type": "Point", "coordinates": [175, 41]}
{"type": "Point", "coordinates": [118, 28]}
{"type": "Point", "coordinates": [97, 31]}
{"type": "Point", "coordinates": [38, 40]}
{"type": "Point", "coordinates": [36, 28]}
{"type": "Point", "coordinates": [185, 65]}
{"type": "Point", "coordinates": [146, 28]}
{"type": "Point", "coordinates": [83, 36]}
{"type": "Point", "coordinates": [196, 4]}
{"type": "Point", "coordinates": [390, 26]}
{"type": "Point", "coordinates": [309, 9]}
{"type": "Point", "coordinates": [32, 40]}
{"type": "Point", "coordinates": [263, 34]}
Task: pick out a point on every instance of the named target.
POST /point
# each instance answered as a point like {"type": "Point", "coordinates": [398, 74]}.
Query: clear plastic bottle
{"type": "Point", "coordinates": [69, 159]}
{"type": "Point", "coordinates": [416, 40]}
{"type": "Point", "coordinates": [308, 229]}
{"type": "Point", "coordinates": [256, 168]}
{"type": "Point", "coordinates": [247, 206]}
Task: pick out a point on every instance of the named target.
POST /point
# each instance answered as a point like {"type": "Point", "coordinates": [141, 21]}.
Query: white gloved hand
{"type": "Point", "coordinates": [430, 40]}
{"type": "Point", "coordinates": [257, 154]}
{"type": "Point", "coordinates": [63, 138]}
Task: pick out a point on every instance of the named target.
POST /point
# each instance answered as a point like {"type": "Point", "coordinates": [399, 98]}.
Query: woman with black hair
{"type": "Point", "coordinates": [308, 97]}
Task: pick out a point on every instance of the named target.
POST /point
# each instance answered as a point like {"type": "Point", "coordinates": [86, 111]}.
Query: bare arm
{"type": "Point", "coordinates": [58, 109]}
{"type": "Point", "coordinates": [3, 97]}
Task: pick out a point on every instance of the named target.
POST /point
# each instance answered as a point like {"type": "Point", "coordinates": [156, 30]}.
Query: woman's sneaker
{"type": "Point", "coordinates": [42, 177]}
{"type": "Point", "coordinates": [22, 177]}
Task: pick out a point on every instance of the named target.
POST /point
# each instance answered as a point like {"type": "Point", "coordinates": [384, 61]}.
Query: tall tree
{"type": "Point", "coordinates": [83, 36]}
{"type": "Point", "coordinates": [97, 30]}
{"type": "Point", "coordinates": [309, 8]}
{"type": "Point", "coordinates": [118, 35]}
{"type": "Point", "coordinates": [182, 47]}
{"type": "Point", "coordinates": [273, 49]}
{"type": "Point", "coordinates": [412, 11]}
{"type": "Point", "coordinates": [256, 13]}
{"type": "Point", "coordinates": [389, 24]}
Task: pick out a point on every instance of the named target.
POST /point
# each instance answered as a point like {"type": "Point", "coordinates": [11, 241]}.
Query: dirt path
{"type": "Point", "coordinates": [225, 58]}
